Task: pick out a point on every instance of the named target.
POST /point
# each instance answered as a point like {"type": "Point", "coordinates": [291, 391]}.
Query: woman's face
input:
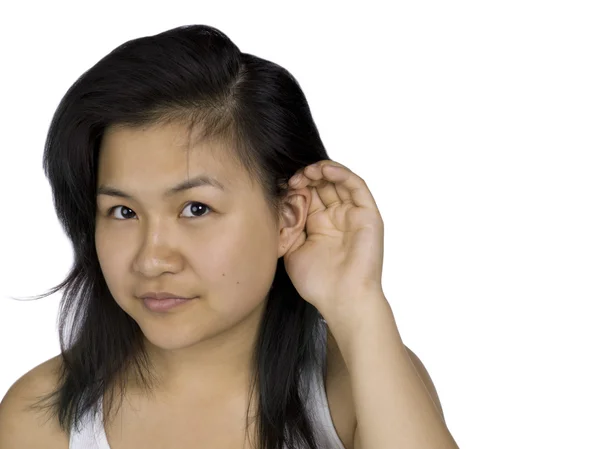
{"type": "Point", "coordinates": [219, 246]}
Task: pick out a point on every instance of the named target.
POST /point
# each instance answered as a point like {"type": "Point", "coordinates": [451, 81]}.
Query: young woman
{"type": "Point", "coordinates": [214, 302]}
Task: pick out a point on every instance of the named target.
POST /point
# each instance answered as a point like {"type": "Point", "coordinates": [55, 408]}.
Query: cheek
{"type": "Point", "coordinates": [238, 265]}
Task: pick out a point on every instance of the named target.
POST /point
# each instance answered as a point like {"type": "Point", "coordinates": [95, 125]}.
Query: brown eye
{"type": "Point", "coordinates": [112, 209]}
{"type": "Point", "coordinates": [197, 209]}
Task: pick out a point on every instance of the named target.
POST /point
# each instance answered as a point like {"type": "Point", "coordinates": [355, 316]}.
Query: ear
{"type": "Point", "coordinates": [292, 222]}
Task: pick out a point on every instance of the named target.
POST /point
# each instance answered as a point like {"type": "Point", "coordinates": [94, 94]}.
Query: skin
{"type": "Point", "coordinates": [223, 251]}
{"type": "Point", "coordinates": [226, 256]}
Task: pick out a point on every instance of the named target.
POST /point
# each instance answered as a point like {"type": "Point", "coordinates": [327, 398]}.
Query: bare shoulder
{"type": "Point", "coordinates": [25, 428]}
{"type": "Point", "coordinates": [426, 378]}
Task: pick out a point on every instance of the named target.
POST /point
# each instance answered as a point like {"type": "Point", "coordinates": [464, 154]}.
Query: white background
{"type": "Point", "coordinates": [477, 128]}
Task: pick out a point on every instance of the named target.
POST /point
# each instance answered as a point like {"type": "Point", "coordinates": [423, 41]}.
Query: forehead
{"type": "Point", "coordinates": [164, 153]}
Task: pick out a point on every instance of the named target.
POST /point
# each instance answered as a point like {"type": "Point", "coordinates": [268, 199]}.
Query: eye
{"type": "Point", "coordinates": [196, 207]}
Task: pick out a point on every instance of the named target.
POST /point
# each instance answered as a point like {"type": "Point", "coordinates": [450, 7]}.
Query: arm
{"type": "Point", "coordinates": [394, 408]}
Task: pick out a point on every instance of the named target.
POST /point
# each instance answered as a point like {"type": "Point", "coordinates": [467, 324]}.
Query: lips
{"type": "Point", "coordinates": [162, 305]}
{"type": "Point", "coordinates": [163, 295]}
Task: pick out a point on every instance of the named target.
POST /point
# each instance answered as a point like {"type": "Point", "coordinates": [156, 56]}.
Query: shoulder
{"type": "Point", "coordinates": [25, 428]}
{"type": "Point", "coordinates": [426, 378]}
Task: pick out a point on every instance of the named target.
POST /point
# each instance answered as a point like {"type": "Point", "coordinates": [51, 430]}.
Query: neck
{"type": "Point", "coordinates": [218, 366]}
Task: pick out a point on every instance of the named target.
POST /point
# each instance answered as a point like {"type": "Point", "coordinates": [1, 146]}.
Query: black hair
{"type": "Point", "coordinates": [195, 75]}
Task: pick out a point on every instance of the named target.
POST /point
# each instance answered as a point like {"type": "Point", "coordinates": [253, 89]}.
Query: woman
{"type": "Point", "coordinates": [188, 318]}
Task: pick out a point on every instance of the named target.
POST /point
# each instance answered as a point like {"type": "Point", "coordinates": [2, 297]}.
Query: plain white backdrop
{"type": "Point", "coordinates": [477, 128]}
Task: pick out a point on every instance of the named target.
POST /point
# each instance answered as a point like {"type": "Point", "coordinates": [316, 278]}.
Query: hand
{"type": "Point", "coordinates": [338, 258]}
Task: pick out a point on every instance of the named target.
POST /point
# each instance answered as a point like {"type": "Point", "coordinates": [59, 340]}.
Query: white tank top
{"type": "Point", "coordinates": [93, 436]}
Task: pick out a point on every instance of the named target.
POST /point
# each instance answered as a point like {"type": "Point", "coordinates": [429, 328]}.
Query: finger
{"type": "Point", "coordinates": [325, 189]}
{"type": "Point", "coordinates": [299, 175]}
{"type": "Point", "coordinates": [300, 183]}
{"type": "Point", "coordinates": [316, 203]}
{"type": "Point", "coordinates": [344, 194]}
{"type": "Point", "coordinates": [313, 177]}
{"type": "Point", "coordinates": [349, 185]}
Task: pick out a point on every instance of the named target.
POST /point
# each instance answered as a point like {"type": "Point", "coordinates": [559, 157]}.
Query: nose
{"type": "Point", "coordinates": [157, 253]}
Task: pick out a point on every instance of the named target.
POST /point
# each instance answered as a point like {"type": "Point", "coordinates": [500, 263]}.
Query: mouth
{"type": "Point", "coordinates": [164, 305]}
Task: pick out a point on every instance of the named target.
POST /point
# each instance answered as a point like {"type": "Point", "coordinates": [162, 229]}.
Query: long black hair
{"type": "Point", "coordinates": [195, 75]}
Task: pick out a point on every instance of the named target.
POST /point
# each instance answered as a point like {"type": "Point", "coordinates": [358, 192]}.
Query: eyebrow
{"type": "Point", "coordinates": [197, 181]}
